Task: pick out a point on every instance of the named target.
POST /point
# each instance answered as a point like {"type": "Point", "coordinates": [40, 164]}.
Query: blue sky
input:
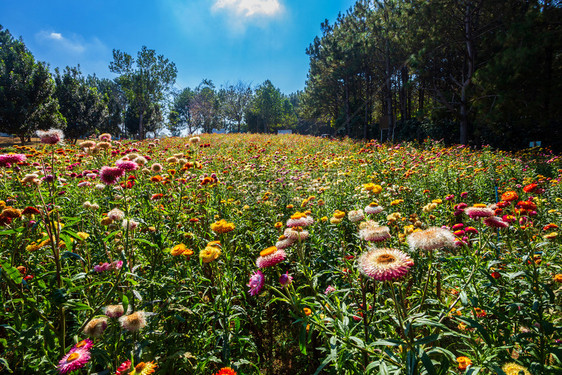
{"type": "Point", "coordinates": [221, 40]}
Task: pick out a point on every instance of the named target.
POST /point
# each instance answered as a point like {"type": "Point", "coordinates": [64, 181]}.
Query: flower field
{"type": "Point", "coordinates": [259, 254]}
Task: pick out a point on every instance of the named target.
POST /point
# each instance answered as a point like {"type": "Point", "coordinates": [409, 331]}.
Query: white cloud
{"type": "Point", "coordinates": [56, 36]}
{"type": "Point", "coordinates": [73, 44]}
{"type": "Point", "coordinates": [249, 8]}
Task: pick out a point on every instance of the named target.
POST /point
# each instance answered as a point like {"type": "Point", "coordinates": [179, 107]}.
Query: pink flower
{"type": "Point", "coordinates": [256, 283]}
{"type": "Point", "coordinates": [329, 289]}
{"type": "Point", "coordinates": [479, 212]}
{"type": "Point", "coordinates": [384, 264]}
{"type": "Point", "coordinates": [109, 175]}
{"type": "Point", "coordinates": [271, 259]}
{"type": "Point", "coordinates": [495, 222]}
{"type": "Point", "coordinates": [126, 165]}
{"type": "Point", "coordinates": [9, 159]}
{"type": "Point", "coordinates": [74, 360]}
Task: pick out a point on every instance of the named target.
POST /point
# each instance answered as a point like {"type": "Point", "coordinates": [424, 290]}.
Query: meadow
{"type": "Point", "coordinates": [262, 254]}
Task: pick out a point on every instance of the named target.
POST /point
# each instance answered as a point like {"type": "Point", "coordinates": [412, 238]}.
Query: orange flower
{"type": "Point", "coordinates": [558, 278]}
{"type": "Point", "coordinates": [464, 362]}
{"type": "Point", "coordinates": [530, 188]}
{"type": "Point", "coordinates": [509, 196]}
{"type": "Point", "coordinates": [307, 311]}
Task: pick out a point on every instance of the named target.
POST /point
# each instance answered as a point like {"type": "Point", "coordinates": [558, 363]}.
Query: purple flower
{"type": "Point", "coordinates": [102, 267]}
{"type": "Point", "coordinates": [285, 279]}
{"type": "Point", "coordinates": [256, 283]}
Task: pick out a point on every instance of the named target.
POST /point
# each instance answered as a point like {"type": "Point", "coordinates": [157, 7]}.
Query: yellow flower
{"type": "Point", "coordinates": [324, 219]}
{"type": "Point", "coordinates": [396, 201]}
{"type": "Point", "coordinates": [210, 253]}
{"type": "Point", "coordinates": [83, 235]}
{"type": "Point", "coordinates": [144, 368]}
{"type": "Point", "coordinates": [550, 236]}
{"type": "Point", "coordinates": [222, 226]}
{"type": "Point", "coordinates": [339, 214]}
{"type": "Point", "coordinates": [307, 311]}
{"type": "Point", "coordinates": [514, 369]}
{"type": "Point", "coordinates": [437, 201]}
{"type": "Point", "coordinates": [178, 249]}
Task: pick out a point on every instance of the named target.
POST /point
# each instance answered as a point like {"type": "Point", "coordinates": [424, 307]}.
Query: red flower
{"type": "Point", "coordinates": [530, 188]}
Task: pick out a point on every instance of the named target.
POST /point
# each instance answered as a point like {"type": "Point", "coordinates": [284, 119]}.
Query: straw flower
{"type": "Point", "coordinates": [270, 257]}
{"type": "Point", "coordinates": [514, 369]}
{"type": "Point", "coordinates": [51, 136]}
{"type": "Point", "coordinates": [222, 226]}
{"type": "Point", "coordinates": [431, 239]}
{"type": "Point", "coordinates": [133, 322]}
{"type": "Point", "coordinates": [74, 360]}
{"type": "Point", "coordinates": [95, 327]}
{"type": "Point", "coordinates": [355, 216]}
{"type": "Point", "coordinates": [144, 368]}
{"type": "Point", "coordinates": [371, 231]}
{"type": "Point", "coordinates": [384, 264]}
{"type": "Point", "coordinates": [256, 283]}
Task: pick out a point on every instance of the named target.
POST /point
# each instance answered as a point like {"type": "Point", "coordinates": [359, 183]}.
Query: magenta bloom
{"type": "Point", "coordinates": [271, 259]}
{"type": "Point", "coordinates": [74, 360]}
{"type": "Point", "coordinates": [109, 175]}
{"type": "Point", "coordinates": [385, 264]}
{"type": "Point", "coordinates": [9, 159]}
{"type": "Point", "coordinates": [256, 283]}
{"type": "Point", "coordinates": [329, 289]}
{"type": "Point", "coordinates": [285, 279]}
{"type": "Point", "coordinates": [126, 165]}
{"type": "Point", "coordinates": [495, 222]}
{"type": "Point", "coordinates": [51, 136]}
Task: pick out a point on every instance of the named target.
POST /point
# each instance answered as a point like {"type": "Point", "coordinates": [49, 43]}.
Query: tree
{"type": "Point", "coordinates": [267, 108]}
{"type": "Point", "coordinates": [204, 107]}
{"type": "Point", "coordinates": [152, 119]}
{"type": "Point", "coordinates": [180, 116]}
{"type": "Point", "coordinates": [144, 80]}
{"type": "Point", "coordinates": [81, 105]}
{"type": "Point", "coordinates": [26, 90]}
{"type": "Point", "coordinates": [235, 99]}
{"type": "Point", "coordinates": [115, 103]}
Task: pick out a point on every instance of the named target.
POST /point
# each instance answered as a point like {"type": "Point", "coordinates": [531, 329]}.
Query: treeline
{"type": "Point", "coordinates": [140, 100]}
{"type": "Point", "coordinates": [469, 71]}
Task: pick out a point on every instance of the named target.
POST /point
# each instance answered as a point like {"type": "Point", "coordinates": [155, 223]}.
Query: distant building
{"type": "Point", "coordinates": [217, 131]}
{"type": "Point", "coordinates": [286, 131]}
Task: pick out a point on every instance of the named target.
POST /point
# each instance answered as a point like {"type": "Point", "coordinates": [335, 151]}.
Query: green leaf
{"type": "Point", "coordinates": [11, 272]}
{"type": "Point", "coordinates": [6, 365]}
{"type": "Point", "coordinates": [427, 363]}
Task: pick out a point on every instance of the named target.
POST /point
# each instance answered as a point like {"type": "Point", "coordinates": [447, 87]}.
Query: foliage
{"type": "Point", "coordinates": [26, 90]}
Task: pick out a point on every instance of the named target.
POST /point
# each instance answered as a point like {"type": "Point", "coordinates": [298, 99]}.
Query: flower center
{"type": "Point", "coordinates": [81, 344]}
{"type": "Point", "coordinates": [269, 250]}
{"type": "Point", "coordinates": [72, 357]}
{"type": "Point", "coordinates": [386, 259]}
{"type": "Point", "coordinates": [139, 367]}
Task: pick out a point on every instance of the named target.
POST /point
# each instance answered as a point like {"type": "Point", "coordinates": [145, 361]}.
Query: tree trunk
{"type": "Point", "coordinates": [467, 81]}
{"type": "Point", "coordinates": [22, 139]}
{"type": "Point", "coordinates": [141, 134]}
